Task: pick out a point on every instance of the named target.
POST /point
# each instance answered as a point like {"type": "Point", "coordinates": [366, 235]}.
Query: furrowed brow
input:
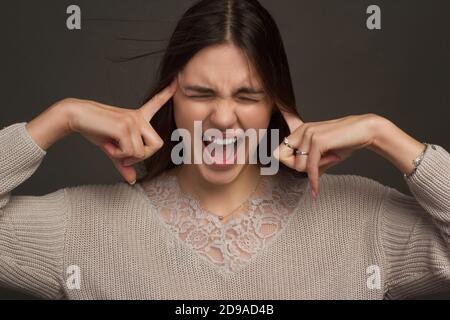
{"type": "Point", "coordinates": [199, 89]}
{"type": "Point", "coordinates": [206, 90]}
{"type": "Point", "coordinates": [247, 90]}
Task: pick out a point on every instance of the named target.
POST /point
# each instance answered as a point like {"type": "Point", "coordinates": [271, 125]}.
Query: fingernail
{"type": "Point", "coordinates": [132, 182]}
{"type": "Point", "coordinates": [276, 153]}
{"type": "Point", "coordinates": [314, 194]}
{"type": "Point", "coordinates": [127, 162]}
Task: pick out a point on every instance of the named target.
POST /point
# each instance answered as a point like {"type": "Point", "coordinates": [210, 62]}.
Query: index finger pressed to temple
{"type": "Point", "coordinates": [157, 101]}
{"type": "Point", "coordinates": [292, 120]}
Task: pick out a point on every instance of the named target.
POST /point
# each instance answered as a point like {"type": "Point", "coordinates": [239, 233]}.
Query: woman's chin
{"type": "Point", "coordinates": [220, 174]}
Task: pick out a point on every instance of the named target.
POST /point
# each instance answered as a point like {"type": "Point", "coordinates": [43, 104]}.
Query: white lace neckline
{"type": "Point", "coordinates": [229, 245]}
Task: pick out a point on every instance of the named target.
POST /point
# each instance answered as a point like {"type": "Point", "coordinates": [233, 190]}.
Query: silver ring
{"type": "Point", "coordinates": [287, 144]}
{"type": "Point", "coordinates": [296, 151]}
{"type": "Point", "coordinates": [300, 153]}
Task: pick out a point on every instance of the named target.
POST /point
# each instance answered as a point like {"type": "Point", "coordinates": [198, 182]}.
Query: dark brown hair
{"type": "Point", "coordinates": [247, 25]}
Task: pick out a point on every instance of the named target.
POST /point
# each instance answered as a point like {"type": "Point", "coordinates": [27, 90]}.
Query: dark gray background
{"type": "Point", "coordinates": [339, 67]}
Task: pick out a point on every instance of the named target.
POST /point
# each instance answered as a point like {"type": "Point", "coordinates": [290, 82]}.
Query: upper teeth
{"type": "Point", "coordinates": [221, 141]}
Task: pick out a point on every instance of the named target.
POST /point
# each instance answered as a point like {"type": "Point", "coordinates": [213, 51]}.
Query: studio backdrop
{"type": "Point", "coordinates": [390, 58]}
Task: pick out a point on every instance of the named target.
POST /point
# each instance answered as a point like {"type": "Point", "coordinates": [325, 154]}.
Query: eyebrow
{"type": "Point", "coordinates": [206, 90]}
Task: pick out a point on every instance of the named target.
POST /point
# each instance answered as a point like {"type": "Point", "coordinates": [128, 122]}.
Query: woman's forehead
{"type": "Point", "coordinates": [220, 67]}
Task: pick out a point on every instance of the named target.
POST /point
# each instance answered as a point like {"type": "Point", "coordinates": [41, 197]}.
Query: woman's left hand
{"type": "Point", "coordinates": [331, 142]}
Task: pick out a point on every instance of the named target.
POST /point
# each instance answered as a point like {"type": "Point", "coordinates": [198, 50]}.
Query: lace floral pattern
{"type": "Point", "coordinates": [229, 245]}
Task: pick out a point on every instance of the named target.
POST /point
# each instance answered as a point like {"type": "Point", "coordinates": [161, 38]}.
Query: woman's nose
{"type": "Point", "coordinates": [224, 115]}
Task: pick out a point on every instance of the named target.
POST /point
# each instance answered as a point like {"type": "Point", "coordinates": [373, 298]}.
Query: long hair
{"type": "Point", "coordinates": [247, 25]}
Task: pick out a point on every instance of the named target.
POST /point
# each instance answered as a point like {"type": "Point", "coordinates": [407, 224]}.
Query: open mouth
{"type": "Point", "coordinates": [222, 151]}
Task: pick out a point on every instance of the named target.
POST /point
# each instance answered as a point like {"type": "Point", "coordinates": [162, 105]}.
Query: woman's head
{"type": "Point", "coordinates": [232, 73]}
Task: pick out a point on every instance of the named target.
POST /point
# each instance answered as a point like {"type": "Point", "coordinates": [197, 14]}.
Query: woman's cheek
{"type": "Point", "coordinates": [255, 116]}
{"type": "Point", "coordinates": [186, 113]}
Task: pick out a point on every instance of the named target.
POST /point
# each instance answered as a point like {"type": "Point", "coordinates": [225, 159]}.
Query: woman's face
{"type": "Point", "coordinates": [220, 88]}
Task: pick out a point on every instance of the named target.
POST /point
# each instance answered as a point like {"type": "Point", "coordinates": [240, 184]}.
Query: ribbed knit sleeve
{"type": "Point", "coordinates": [416, 230]}
{"type": "Point", "coordinates": [32, 228]}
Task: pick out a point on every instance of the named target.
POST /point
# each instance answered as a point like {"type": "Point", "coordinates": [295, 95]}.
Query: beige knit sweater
{"type": "Point", "coordinates": [358, 240]}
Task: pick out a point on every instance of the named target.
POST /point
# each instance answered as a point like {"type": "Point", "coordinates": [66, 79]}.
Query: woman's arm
{"type": "Point", "coordinates": [330, 142]}
{"type": "Point", "coordinates": [124, 135]}
{"type": "Point", "coordinates": [394, 144]}
{"type": "Point", "coordinates": [52, 125]}
{"type": "Point", "coordinates": [415, 231]}
{"type": "Point", "coordinates": [32, 228]}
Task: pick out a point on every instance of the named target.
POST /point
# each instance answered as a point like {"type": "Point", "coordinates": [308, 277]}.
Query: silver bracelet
{"type": "Point", "coordinates": [416, 162]}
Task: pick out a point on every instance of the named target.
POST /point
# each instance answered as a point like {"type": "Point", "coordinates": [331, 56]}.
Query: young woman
{"type": "Point", "coordinates": [224, 230]}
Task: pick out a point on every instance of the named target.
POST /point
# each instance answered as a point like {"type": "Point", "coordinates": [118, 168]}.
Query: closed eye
{"type": "Point", "coordinates": [200, 97]}
{"type": "Point", "coordinates": [246, 99]}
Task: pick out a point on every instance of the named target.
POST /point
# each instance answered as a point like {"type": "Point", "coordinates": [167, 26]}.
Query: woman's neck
{"type": "Point", "coordinates": [219, 199]}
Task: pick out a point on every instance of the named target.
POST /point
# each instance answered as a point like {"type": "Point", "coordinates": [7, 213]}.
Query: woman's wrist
{"type": "Point", "coordinates": [395, 145]}
{"type": "Point", "coordinates": [51, 125]}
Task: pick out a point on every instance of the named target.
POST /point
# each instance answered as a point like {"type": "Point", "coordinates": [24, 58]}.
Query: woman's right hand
{"type": "Point", "coordinates": [124, 135]}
